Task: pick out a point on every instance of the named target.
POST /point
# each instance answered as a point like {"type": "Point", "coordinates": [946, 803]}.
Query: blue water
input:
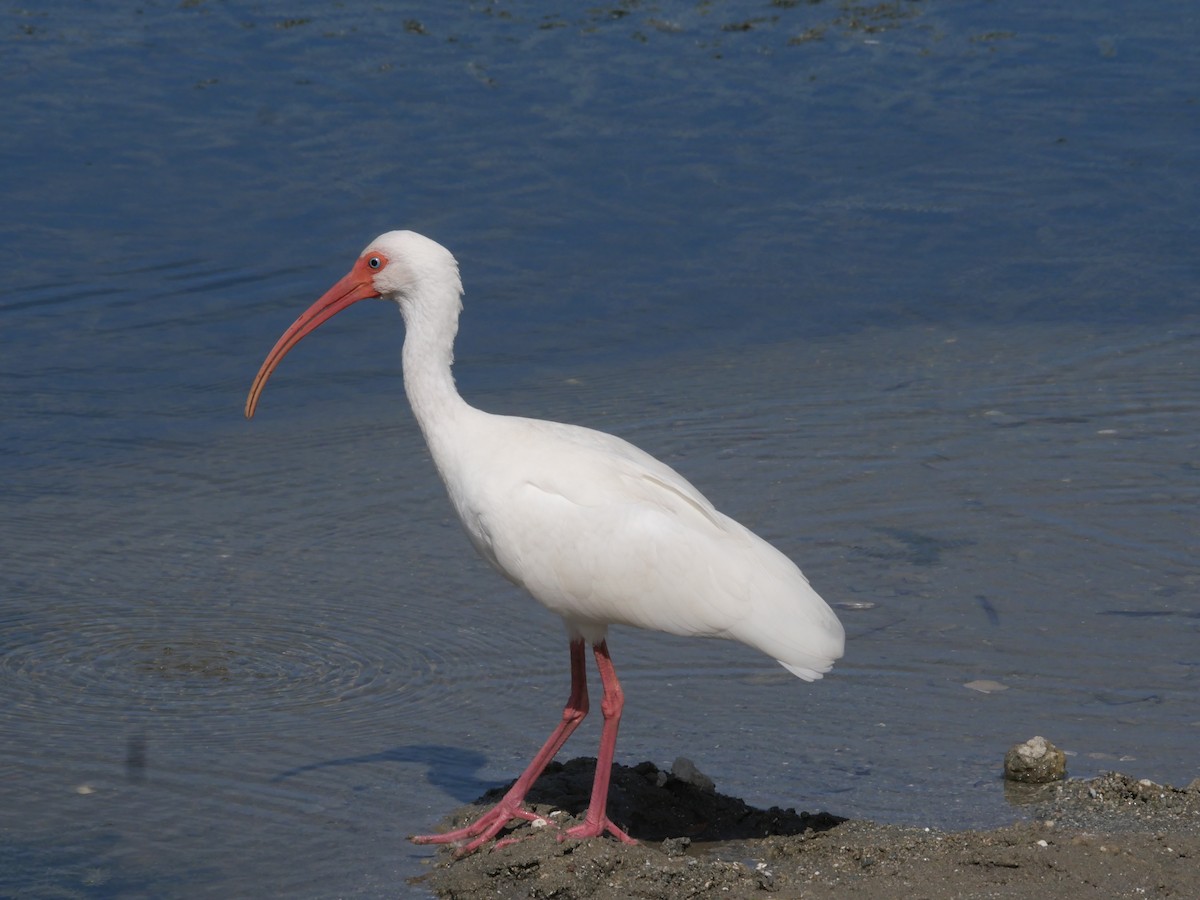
{"type": "Point", "coordinates": [916, 299]}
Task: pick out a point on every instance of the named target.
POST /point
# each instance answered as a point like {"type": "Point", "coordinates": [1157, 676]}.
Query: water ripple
{"type": "Point", "coordinates": [130, 662]}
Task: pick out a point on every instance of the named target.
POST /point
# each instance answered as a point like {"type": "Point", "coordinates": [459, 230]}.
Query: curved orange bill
{"type": "Point", "coordinates": [358, 285]}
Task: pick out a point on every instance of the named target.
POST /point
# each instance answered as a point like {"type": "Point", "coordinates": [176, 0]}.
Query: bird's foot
{"type": "Point", "coordinates": [482, 830]}
{"type": "Point", "coordinates": [596, 828]}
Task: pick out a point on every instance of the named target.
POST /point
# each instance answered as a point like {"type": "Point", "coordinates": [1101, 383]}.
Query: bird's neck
{"type": "Point", "coordinates": [427, 357]}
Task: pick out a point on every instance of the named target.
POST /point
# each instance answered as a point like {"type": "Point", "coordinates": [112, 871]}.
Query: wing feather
{"type": "Point", "coordinates": [602, 533]}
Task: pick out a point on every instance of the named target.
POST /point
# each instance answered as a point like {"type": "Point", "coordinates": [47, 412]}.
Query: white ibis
{"type": "Point", "coordinates": [595, 529]}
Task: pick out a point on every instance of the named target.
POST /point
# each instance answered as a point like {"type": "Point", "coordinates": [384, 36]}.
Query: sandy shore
{"type": "Point", "coordinates": [1112, 836]}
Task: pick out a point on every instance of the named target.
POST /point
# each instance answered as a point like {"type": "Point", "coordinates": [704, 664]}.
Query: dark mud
{"type": "Point", "coordinates": [1108, 837]}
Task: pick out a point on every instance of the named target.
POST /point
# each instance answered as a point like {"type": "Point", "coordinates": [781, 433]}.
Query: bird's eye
{"type": "Point", "coordinates": [374, 262]}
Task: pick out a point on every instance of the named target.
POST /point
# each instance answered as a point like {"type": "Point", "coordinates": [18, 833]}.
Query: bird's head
{"type": "Point", "coordinates": [401, 263]}
{"type": "Point", "coordinates": [398, 265]}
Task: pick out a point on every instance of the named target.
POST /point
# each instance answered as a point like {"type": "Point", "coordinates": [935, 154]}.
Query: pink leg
{"type": "Point", "coordinates": [597, 822]}
{"type": "Point", "coordinates": [511, 805]}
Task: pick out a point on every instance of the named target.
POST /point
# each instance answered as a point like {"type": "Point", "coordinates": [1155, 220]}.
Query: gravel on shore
{"type": "Point", "coordinates": [1111, 836]}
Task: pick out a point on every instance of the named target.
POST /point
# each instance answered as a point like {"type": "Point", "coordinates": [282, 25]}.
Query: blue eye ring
{"type": "Point", "coordinates": [374, 262]}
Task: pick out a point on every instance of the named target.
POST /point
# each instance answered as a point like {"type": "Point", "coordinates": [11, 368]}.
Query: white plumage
{"type": "Point", "coordinates": [602, 533]}
{"type": "Point", "coordinates": [595, 529]}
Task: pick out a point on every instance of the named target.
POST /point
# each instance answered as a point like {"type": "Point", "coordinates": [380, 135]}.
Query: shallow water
{"type": "Point", "coordinates": [916, 301]}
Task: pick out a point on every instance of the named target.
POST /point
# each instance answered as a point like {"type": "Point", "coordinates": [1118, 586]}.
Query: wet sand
{"type": "Point", "coordinates": [1111, 836]}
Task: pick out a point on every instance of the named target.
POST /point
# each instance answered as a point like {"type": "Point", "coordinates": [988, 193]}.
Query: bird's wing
{"type": "Point", "coordinates": [602, 533]}
{"type": "Point", "coordinates": [606, 469]}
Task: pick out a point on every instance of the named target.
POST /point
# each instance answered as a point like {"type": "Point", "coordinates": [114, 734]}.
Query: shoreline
{"type": "Point", "coordinates": [1113, 835]}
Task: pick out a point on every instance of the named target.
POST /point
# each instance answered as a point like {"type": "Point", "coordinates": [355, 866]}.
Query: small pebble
{"type": "Point", "coordinates": [685, 770]}
{"type": "Point", "coordinates": [985, 686]}
{"type": "Point", "coordinates": [676, 846]}
{"type": "Point", "coordinates": [1037, 761]}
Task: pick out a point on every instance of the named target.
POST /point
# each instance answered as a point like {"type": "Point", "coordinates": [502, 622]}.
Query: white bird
{"type": "Point", "coordinates": [595, 529]}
